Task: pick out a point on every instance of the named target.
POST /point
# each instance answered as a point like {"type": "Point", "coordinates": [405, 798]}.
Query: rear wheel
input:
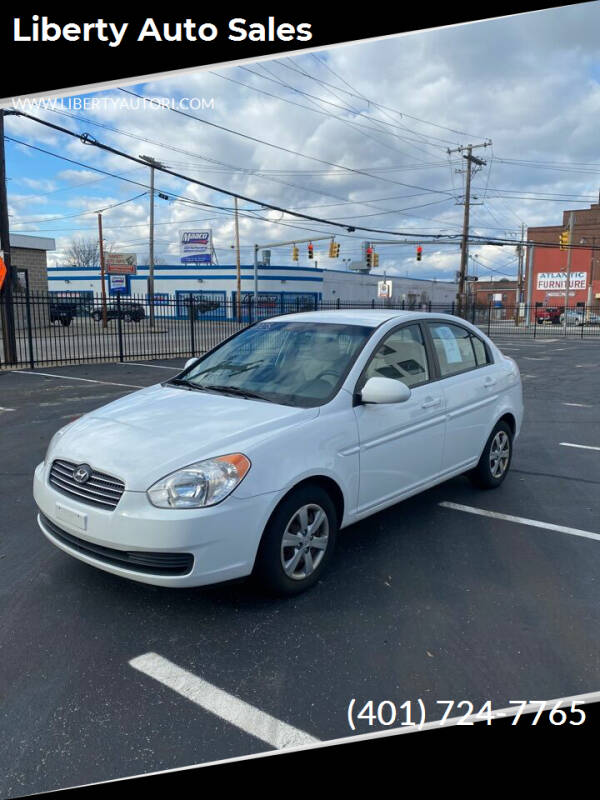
{"type": "Point", "coordinates": [495, 459]}
{"type": "Point", "coordinates": [298, 542]}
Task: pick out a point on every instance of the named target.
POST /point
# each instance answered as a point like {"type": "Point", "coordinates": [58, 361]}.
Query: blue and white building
{"type": "Point", "coordinates": [278, 286]}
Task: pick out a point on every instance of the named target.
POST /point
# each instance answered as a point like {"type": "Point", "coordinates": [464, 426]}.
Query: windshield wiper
{"type": "Point", "coordinates": [232, 390]}
{"type": "Point", "coordinates": [181, 382]}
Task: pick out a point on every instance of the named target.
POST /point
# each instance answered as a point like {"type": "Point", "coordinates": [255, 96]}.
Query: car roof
{"type": "Point", "coordinates": [358, 316]}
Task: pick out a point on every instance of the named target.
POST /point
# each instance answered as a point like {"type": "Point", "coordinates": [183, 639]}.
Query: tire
{"type": "Point", "coordinates": [65, 323]}
{"type": "Point", "coordinates": [127, 317]}
{"type": "Point", "coordinates": [97, 315]}
{"type": "Point", "coordinates": [301, 505]}
{"type": "Point", "coordinates": [490, 472]}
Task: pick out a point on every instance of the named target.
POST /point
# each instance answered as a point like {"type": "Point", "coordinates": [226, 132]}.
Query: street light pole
{"type": "Point", "coordinates": [102, 269]}
{"type": "Point", "coordinates": [568, 277]}
{"type": "Point", "coordinates": [152, 162]}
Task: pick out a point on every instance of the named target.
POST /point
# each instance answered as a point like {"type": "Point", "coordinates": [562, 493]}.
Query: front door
{"type": "Point", "coordinates": [401, 444]}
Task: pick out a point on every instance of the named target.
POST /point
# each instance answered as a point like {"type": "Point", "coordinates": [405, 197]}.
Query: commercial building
{"type": "Point", "coordinates": [28, 258]}
{"type": "Point", "coordinates": [546, 265]}
{"type": "Point", "coordinates": [500, 294]}
{"type": "Point", "coordinates": [277, 286]}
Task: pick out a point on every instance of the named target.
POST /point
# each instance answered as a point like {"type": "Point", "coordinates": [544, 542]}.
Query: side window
{"type": "Point", "coordinates": [480, 351]}
{"type": "Point", "coordinates": [453, 347]}
{"type": "Point", "coordinates": [401, 356]}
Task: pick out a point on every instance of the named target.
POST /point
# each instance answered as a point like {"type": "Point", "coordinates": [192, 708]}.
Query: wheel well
{"type": "Point", "coordinates": [330, 486]}
{"type": "Point", "coordinates": [510, 421]}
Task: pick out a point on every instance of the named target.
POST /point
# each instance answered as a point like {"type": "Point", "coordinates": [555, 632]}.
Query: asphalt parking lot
{"type": "Point", "coordinates": [423, 600]}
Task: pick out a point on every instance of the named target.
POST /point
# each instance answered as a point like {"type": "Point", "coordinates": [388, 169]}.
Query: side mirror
{"type": "Point", "coordinates": [190, 362]}
{"type": "Point", "coordinates": [384, 390]}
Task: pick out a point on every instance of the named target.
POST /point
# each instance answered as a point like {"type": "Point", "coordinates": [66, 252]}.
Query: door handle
{"type": "Point", "coordinates": [489, 382]}
{"type": "Point", "coordinates": [432, 403]}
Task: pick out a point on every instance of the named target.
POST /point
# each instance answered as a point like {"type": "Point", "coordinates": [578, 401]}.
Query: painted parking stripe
{"type": "Point", "coordinates": [152, 366]}
{"type": "Point", "coordinates": [534, 523]}
{"type": "Point", "coordinates": [578, 405]}
{"type": "Point", "coordinates": [6, 409]}
{"type": "Point", "coordinates": [249, 719]}
{"type": "Point", "coordinates": [581, 446]}
{"type": "Point", "coordinates": [72, 378]}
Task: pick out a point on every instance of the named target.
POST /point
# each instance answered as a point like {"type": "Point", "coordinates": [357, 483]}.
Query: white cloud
{"type": "Point", "coordinates": [530, 82]}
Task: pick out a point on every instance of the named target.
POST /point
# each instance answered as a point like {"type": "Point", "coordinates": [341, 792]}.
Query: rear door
{"type": "Point", "coordinates": [400, 443]}
{"type": "Point", "coordinates": [469, 381]}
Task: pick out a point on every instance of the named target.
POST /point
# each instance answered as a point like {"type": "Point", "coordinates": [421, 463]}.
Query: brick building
{"type": "Point", "coordinates": [28, 258]}
{"type": "Point", "coordinates": [546, 283]}
{"type": "Point", "coordinates": [497, 294]}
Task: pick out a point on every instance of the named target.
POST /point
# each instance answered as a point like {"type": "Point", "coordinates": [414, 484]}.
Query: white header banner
{"type": "Point", "coordinates": [558, 280]}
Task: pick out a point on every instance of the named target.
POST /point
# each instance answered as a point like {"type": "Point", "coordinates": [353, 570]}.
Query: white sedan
{"type": "Point", "coordinates": [250, 460]}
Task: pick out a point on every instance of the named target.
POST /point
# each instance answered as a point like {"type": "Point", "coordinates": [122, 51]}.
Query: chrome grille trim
{"type": "Point", "coordinates": [100, 490]}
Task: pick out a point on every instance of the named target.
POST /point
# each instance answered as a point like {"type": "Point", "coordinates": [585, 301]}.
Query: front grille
{"type": "Point", "coordinates": [99, 490]}
{"type": "Point", "coordinates": [148, 563]}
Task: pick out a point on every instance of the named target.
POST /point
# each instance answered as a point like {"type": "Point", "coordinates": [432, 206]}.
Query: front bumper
{"type": "Point", "coordinates": [222, 539]}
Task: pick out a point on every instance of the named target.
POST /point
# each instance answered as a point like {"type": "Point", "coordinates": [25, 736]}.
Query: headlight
{"type": "Point", "coordinates": [204, 483]}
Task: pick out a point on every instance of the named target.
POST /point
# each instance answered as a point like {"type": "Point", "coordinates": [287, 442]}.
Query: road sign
{"type": "Point", "coordinates": [3, 272]}
{"type": "Point", "coordinates": [384, 289]}
{"type": "Point", "coordinates": [121, 264]}
{"type": "Point", "coordinates": [471, 278]}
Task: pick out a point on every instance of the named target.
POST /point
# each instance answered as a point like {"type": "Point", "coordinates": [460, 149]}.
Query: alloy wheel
{"type": "Point", "coordinates": [499, 454]}
{"type": "Point", "coordinates": [304, 541]}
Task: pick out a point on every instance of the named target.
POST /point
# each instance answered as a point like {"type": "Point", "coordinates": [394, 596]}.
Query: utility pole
{"type": "Point", "coordinates": [102, 270]}
{"type": "Point", "coordinates": [152, 163]}
{"type": "Point", "coordinates": [464, 247]}
{"type": "Point", "coordinates": [519, 292]}
{"type": "Point", "coordinates": [568, 277]}
{"type": "Point", "coordinates": [237, 262]}
{"type": "Point", "coordinates": [7, 309]}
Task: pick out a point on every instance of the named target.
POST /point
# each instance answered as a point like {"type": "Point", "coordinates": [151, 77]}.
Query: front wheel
{"type": "Point", "coordinates": [298, 542]}
{"type": "Point", "coordinates": [495, 459]}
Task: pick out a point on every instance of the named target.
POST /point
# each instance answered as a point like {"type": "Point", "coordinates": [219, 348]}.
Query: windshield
{"type": "Point", "coordinates": [293, 363]}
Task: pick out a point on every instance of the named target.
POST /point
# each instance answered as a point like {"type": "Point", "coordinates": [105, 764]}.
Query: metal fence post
{"type": "Point", "coordinates": [191, 316]}
{"type": "Point", "coordinates": [583, 320]}
{"type": "Point", "coordinates": [337, 303]}
{"type": "Point", "coordinates": [489, 319]}
{"type": "Point", "coordinates": [119, 326]}
{"type": "Point", "coordinates": [29, 331]}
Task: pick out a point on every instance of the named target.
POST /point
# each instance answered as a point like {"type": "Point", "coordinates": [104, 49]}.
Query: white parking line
{"type": "Point", "coordinates": [6, 409]}
{"type": "Point", "coordinates": [71, 378]}
{"type": "Point", "coordinates": [582, 446]}
{"type": "Point", "coordinates": [521, 520]}
{"type": "Point", "coordinates": [578, 405]}
{"type": "Point", "coordinates": [239, 713]}
{"type": "Point", "coordinates": [152, 366]}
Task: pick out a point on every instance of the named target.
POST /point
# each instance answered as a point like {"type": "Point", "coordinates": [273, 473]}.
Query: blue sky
{"type": "Point", "coordinates": [357, 133]}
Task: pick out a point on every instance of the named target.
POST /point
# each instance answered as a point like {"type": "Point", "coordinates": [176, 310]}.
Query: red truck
{"type": "Point", "coordinates": [550, 315]}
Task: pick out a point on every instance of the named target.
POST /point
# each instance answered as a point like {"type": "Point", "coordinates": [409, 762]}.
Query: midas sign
{"type": "Point", "coordinates": [558, 280]}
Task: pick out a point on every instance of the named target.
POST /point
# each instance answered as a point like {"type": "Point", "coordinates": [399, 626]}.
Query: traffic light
{"type": "Point", "coordinates": [369, 253]}
{"type": "Point", "coordinates": [564, 239]}
{"type": "Point", "coordinates": [419, 252]}
{"type": "Point", "coordinates": [334, 249]}
{"type": "Point", "coordinates": [310, 250]}
{"type": "Point", "coordinates": [375, 259]}
{"type": "Point", "coordinates": [294, 253]}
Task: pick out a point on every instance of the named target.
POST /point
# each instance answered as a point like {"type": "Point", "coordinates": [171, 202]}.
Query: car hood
{"type": "Point", "coordinates": [150, 433]}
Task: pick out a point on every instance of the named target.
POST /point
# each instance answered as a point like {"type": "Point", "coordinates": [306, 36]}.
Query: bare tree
{"type": "Point", "coordinates": [85, 252]}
